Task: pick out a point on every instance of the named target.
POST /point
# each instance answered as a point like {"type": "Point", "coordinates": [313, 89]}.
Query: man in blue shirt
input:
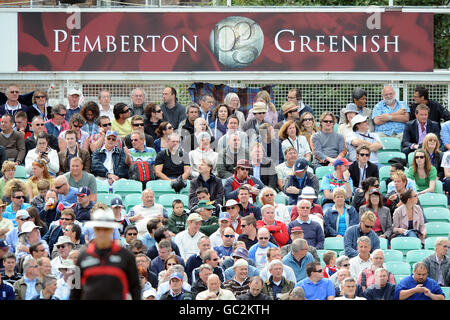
{"type": "Point", "coordinates": [390, 115]}
{"type": "Point", "coordinates": [419, 286]}
{"type": "Point", "coordinates": [316, 287]}
{"type": "Point", "coordinates": [6, 291]}
{"type": "Point", "coordinates": [65, 192]}
{"type": "Point", "coordinates": [298, 258]}
{"type": "Point", "coordinates": [17, 203]}
{"type": "Point", "coordinates": [300, 179]}
{"type": "Point", "coordinates": [364, 228]}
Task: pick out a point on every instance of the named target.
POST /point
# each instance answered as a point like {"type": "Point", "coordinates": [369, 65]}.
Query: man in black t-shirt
{"type": "Point", "coordinates": [170, 163]}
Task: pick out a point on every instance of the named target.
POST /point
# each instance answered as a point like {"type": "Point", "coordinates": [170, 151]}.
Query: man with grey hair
{"type": "Point", "coordinates": [204, 271]}
{"type": "Point", "coordinates": [277, 283]}
{"type": "Point", "coordinates": [206, 107]}
{"type": "Point", "coordinates": [342, 263]}
{"type": "Point", "coordinates": [438, 264]}
{"type": "Point", "coordinates": [12, 105]}
{"type": "Point", "coordinates": [362, 260]}
{"type": "Point", "coordinates": [48, 289]}
{"type": "Point", "coordinates": [298, 258]}
{"type": "Point", "coordinates": [390, 115]}
{"type": "Point", "coordinates": [239, 284]}
{"type": "Point", "coordinates": [58, 123]}
{"type": "Point", "coordinates": [382, 289]}
{"type": "Point", "coordinates": [137, 102]}
{"type": "Point", "coordinates": [349, 290]}
{"type": "Point", "coordinates": [367, 276]}
{"type": "Point", "coordinates": [203, 151]}
{"type": "Point", "coordinates": [313, 232]}
{"type": "Point", "coordinates": [258, 252]}
{"type": "Point", "coordinates": [29, 285]}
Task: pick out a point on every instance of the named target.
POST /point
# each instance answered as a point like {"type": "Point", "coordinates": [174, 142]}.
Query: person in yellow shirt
{"type": "Point", "coordinates": [122, 121]}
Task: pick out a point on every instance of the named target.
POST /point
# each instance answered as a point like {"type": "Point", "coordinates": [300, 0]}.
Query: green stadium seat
{"type": "Point", "coordinates": [185, 190]}
{"type": "Point", "coordinates": [323, 171]}
{"type": "Point", "coordinates": [383, 243]}
{"type": "Point", "coordinates": [341, 253]}
{"type": "Point", "coordinates": [384, 173]}
{"type": "Point", "coordinates": [398, 268]}
{"type": "Point", "coordinates": [391, 255]}
{"type": "Point", "coordinates": [410, 158]}
{"type": "Point", "coordinates": [102, 186]}
{"type": "Point", "coordinates": [383, 187]}
{"type": "Point", "coordinates": [160, 187]}
{"type": "Point", "coordinates": [399, 277]}
{"type": "Point", "coordinates": [385, 156]}
{"type": "Point", "coordinates": [124, 187]}
{"type": "Point", "coordinates": [437, 229]}
{"type": "Point", "coordinates": [131, 200]}
{"type": "Point", "coordinates": [430, 242]}
{"type": "Point", "coordinates": [166, 199]}
{"type": "Point", "coordinates": [437, 214]}
{"type": "Point", "coordinates": [391, 144]}
{"type": "Point", "coordinates": [414, 256]}
{"type": "Point", "coordinates": [106, 197]}
{"type": "Point", "coordinates": [334, 243]}
{"type": "Point", "coordinates": [446, 291]}
{"type": "Point", "coordinates": [281, 198]}
{"type": "Point", "coordinates": [20, 173]}
{"type": "Point", "coordinates": [433, 200]}
{"type": "Point", "coordinates": [439, 187]}
{"type": "Point", "coordinates": [404, 244]}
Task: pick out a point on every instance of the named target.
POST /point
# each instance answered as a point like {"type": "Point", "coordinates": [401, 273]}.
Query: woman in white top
{"type": "Point", "coordinates": [233, 102]}
{"type": "Point", "coordinates": [42, 151]}
{"type": "Point", "coordinates": [290, 135]}
{"type": "Point", "coordinates": [267, 196]}
{"type": "Point", "coordinates": [350, 111]}
{"type": "Point", "coordinates": [203, 151]}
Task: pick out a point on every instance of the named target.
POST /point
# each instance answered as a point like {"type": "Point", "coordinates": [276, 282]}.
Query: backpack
{"type": "Point", "coordinates": [141, 171]}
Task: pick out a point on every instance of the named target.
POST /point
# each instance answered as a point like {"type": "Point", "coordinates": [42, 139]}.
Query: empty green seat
{"type": "Point", "coordinates": [391, 144]}
{"type": "Point", "coordinates": [383, 187]}
{"type": "Point", "coordinates": [414, 256]}
{"type": "Point", "coordinates": [430, 242]}
{"type": "Point", "coordinates": [106, 197]}
{"type": "Point", "coordinates": [391, 255]}
{"type": "Point", "coordinates": [102, 186]}
{"type": "Point", "coordinates": [334, 243]}
{"type": "Point", "coordinates": [446, 291]}
{"type": "Point", "coordinates": [383, 243]}
{"type": "Point", "coordinates": [124, 187]}
{"type": "Point", "coordinates": [323, 171]}
{"type": "Point", "coordinates": [398, 268]}
{"type": "Point", "coordinates": [384, 173]}
{"type": "Point", "coordinates": [400, 277]}
{"type": "Point", "coordinates": [437, 214]}
{"type": "Point", "coordinates": [20, 173]}
{"type": "Point", "coordinates": [439, 187]}
{"type": "Point", "coordinates": [281, 198]}
{"type": "Point", "coordinates": [385, 156]}
{"type": "Point", "coordinates": [404, 244]}
{"type": "Point", "coordinates": [131, 200]}
{"type": "Point", "coordinates": [437, 229]}
{"type": "Point", "coordinates": [160, 187]}
{"type": "Point", "coordinates": [433, 200]}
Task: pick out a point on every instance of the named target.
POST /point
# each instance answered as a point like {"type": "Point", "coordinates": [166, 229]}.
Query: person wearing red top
{"type": "Point", "coordinates": [277, 228]}
{"type": "Point", "coordinates": [329, 258]}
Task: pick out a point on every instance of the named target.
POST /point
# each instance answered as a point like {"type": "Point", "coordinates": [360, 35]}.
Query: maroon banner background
{"type": "Point", "coordinates": [36, 42]}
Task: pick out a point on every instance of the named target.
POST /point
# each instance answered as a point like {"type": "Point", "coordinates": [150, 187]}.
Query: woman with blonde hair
{"type": "Point", "coordinates": [271, 114]}
{"type": "Point", "coordinates": [290, 135]}
{"type": "Point", "coordinates": [422, 172]}
{"type": "Point", "coordinates": [308, 126]}
{"type": "Point", "coordinates": [432, 146]}
{"type": "Point", "coordinates": [40, 106]}
{"type": "Point", "coordinates": [13, 185]}
{"type": "Point", "coordinates": [8, 172]}
{"type": "Point", "coordinates": [233, 102]}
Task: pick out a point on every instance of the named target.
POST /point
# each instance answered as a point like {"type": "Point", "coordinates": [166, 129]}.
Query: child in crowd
{"type": "Point", "coordinates": [329, 258]}
{"type": "Point", "coordinates": [178, 217]}
{"type": "Point", "coordinates": [43, 186]}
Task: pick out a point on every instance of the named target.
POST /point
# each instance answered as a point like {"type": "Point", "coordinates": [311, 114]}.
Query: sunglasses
{"type": "Point", "coordinates": [169, 127]}
{"type": "Point", "coordinates": [228, 235]}
{"type": "Point", "coordinates": [59, 187]}
{"type": "Point", "coordinates": [327, 121]}
{"type": "Point", "coordinates": [26, 219]}
{"type": "Point", "coordinates": [124, 111]}
{"type": "Point", "coordinates": [269, 195]}
{"type": "Point", "coordinates": [369, 227]}
{"type": "Point", "coordinates": [158, 111]}
{"type": "Point", "coordinates": [376, 185]}
{"type": "Point", "coordinates": [106, 125]}
{"type": "Point", "coordinates": [20, 197]}
{"type": "Point", "coordinates": [39, 124]}
{"type": "Point", "coordinates": [39, 97]}
{"type": "Point", "coordinates": [245, 169]}
{"type": "Point", "coordinates": [78, 126]}
{"type": "Point", "coordinates": [132, 234]}
{"type": "Point", "coordinates": [264, 238]}
{"type": "Point", "coordinates": [419, 157]}
{"type": "Point", "coordinates": [137, 252]}
{"type": "Point", "coordinates": [346, 265]}
{"type": "Point", "coordinates": [364, 154]}
{"type": "Point", "coordinates": [318, 271]}
{"type": "Point", "coordinates": [61, 114]}
{"type": "Point", "coordinates": [140, 124]}
{"type": "Point", "coordinates": [243, 225]}
{"type": "Point", "coordinates": [111, 139]}
{"type": "Point", "coordinates": [216, 259]}
{"type": "Point", "coordinates": [14, 92]}
{"type": "Point", "coordinates": [66, 219]}
{"type": "Point", "coordinates": [260, 113]}
{"type": "Point", "coordinates": [61, 246]}
{"type": "Point", "coordinates": [308, 119]}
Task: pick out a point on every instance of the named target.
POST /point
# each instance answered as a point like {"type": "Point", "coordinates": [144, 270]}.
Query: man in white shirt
{"type": "Point", "coordinates": [187, 240]}
{"type": "Point", "coordinates": [140, 214]}
{"type": "Point", "coordinates": [362, 260]}
{"type": "Point", "coordinates": [104, 101]}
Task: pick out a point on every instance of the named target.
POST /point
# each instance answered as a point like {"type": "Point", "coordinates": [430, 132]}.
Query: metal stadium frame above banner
{"type": "Point", "coordinates": [216, 41]}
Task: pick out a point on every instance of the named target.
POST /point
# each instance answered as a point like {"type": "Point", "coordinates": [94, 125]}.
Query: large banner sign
{"type": "Point", "coordinates": [217, 41]}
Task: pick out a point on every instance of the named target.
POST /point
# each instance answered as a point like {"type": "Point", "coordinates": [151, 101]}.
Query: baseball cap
{"type": "Point", "coordinates": [241, 253]}
{"type": "Point", "coordinates": [374, 191]}
{"type": "Point", "coordinates": [176, 275]}
{"type": "Point", "coordinates": [297, 229]}
{"type": "Point", "coordinates": [116, 202]}
{"type": "Point", "coordinates": [224, 216]}
{"type": "Point", "coordinates": [149, 293]}
{"type": "Point", "coordinates": [3, 244]}
{"type": "Point", "coordinates": [64, 205]}
{"type": "Point", "coordinates": [207, 204]}
{"type": "Point", "coordinates": [194, 217]}
{"type": "Point", "coordinates": [300, 165]}
{"type": "Point", "coordinates": [341, 161]}
{"type": "Point", "coordinates": [75, 91]}
{"type": "Point", "coordinates": [22, 214]}
{"type": "Point", "coordinates": [111, 133]}
{"type": "Point", "coordinates": [83, 191]}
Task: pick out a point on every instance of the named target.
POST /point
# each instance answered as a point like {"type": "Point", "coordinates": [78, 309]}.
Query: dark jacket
{"type": "Point", "coordinates": [185, 295]}
{"type": "Point", "coordinates": [355, 174]}
{"type": "Point", "coordinates": [32, 112]}
{"type": "Point", "coordinates": [214, 185]}
{"type": "Point", "coordinates": [198, 286]}
{"type": "Point", "coordinates": [248, 296]}
{"type": "Point", "coordinates": [310, 180]}
{"type": "Point", "coordinates": [120, 168]}
{"type": "Point", "coordinates": [250, 127]}
{"type": "Point", "coordinates": [437, 112]}
{"type": "Point", "coordinates": [386, 293]}
{"type": "Point", "coordinates": [433, 268]}
{"type": "Point", "coordinates": [152, 252]}
{"type": "Point", "coordinates": [30, 143]}
{"type": "Point", "coordinates": [149, 128]}
{"type": "Point", "coordinates": [411, 133]}
{"type": "Point", "coordinates": [52, 235]}
{"type": "Point", "coordinates": [227, 161]}
{"type": "Point", "coordinates": [64, 166]}
{"type": "Point", "coordinates": [268, 175]}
